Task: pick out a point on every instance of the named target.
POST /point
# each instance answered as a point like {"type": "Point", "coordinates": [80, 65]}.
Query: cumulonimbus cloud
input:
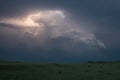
{"type": "Point", "coordinates": [55, 23]}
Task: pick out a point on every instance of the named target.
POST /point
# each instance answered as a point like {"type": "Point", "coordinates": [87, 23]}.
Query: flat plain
{"type": "Point", "coordinates": [56, 71]}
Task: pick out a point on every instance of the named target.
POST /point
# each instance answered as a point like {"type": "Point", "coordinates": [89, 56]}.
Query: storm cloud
{"type": "Point", "coordinates": [57, 24]}
{"type": "Point", "coordinates": [82, 29]}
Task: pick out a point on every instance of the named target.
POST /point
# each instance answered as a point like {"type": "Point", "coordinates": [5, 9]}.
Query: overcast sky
{"type": "Point", "coordinates": [68, 31]}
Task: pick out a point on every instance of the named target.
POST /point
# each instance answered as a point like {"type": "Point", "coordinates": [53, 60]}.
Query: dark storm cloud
{"type": "Point", "coordinates": [101, 15]}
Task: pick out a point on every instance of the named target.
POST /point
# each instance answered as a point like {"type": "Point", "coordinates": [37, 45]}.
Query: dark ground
{"type": "Point", "coordinates": [44, 71]}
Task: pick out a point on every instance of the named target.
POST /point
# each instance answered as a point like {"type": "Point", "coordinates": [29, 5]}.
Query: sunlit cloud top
{"type": "Point", "coordinates": [31, 20]}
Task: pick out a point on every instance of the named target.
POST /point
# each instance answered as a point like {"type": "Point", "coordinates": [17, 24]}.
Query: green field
{"type": "Point", "coordinates": [44, 71]}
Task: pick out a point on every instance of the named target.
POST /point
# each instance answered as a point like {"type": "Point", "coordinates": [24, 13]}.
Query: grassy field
{"type": "Point", "coordinates": [37, 71]}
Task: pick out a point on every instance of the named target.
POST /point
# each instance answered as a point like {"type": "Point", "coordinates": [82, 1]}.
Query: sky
{"type": "Point", "coordinates": [65, 31]}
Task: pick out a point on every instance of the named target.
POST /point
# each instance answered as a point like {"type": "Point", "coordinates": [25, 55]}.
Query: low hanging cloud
{"type": "Point", "coordinates": [54, 24]}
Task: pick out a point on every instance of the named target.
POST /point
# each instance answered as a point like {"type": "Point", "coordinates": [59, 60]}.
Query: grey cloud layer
{"type": "Point", "coordinates": [100, 18]}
